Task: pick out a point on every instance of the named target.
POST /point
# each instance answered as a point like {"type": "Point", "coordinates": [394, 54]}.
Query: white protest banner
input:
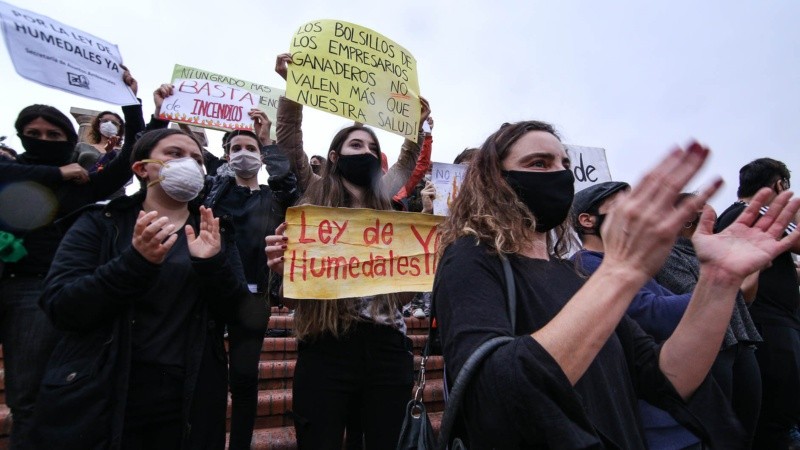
{"type": "Point", "coordinates": [210, 100]}
{"type": "Point", "coordinates": [589, 166]}
{"type": "Point", "coordinates": [56, 55]}
{"type": "Point", "coordinates": [447, 179]}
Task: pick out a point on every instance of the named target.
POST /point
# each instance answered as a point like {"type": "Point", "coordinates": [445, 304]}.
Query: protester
{"type": "Point", "coordinates": [656, 309]}
{"type": "Point", "coordinates": [354, 360]}
{"type": "Point", "coordinates": [353, 353]}
{"type": "Point", "coordinates": [140, 288]}
{"type": "Point", "coordinates": [43, 184]}
{"type": "Point", "coordinates": [735, 369]}
{"type": "Point", "coordinates": [571, 377]}
{"type": "Point", "coordinates": [774, 311]}
{"type": "Point", "coordinates": [256, 211]}
{"type": "Point", "coordinates": [316, 162]}
{"type": "Point", "coordinates": [105, 135]}
{"type": "Point", "coordinates": [408, 198]}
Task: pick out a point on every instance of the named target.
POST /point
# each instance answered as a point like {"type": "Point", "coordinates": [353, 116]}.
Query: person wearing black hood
{"type": "Point", "coordinates": [43, 185]}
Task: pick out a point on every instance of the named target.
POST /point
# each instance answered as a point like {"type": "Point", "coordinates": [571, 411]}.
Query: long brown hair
{"type": "Point", "coordinates": [315, 317]}
{"type": "Point", "coordinates": [488, 208]}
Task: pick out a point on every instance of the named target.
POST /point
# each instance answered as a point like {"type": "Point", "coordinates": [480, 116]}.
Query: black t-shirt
{"type": "Point", "coordinates": [777, 299]}
{"type": "Point", "coordinates": [162, 315]}
{"type": "Point", "coordinates": [254, 216]}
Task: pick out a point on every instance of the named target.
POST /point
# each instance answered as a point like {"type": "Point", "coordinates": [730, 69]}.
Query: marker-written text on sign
{"type": "Point", "coordinates": [342, 252]}
{"type": "Point", "coordinates": [356, 73]}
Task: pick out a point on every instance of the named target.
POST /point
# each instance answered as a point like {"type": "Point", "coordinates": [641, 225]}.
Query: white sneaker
{"type": "Point", "coordinates": [418, 313]}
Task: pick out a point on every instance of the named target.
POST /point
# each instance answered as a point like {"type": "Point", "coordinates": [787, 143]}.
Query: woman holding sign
{"type": "Point", "coordinates": [354, 359]}
{"type": "Point", "coordinates": [571, 375]}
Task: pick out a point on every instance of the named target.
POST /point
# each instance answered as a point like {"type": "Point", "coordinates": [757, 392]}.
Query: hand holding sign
{"type": "Point", "coordinates": [281, 64]}
{"type": "Point", "coordinates": [163, 91]}
{"type": "Point", "coordinates": [275, 249]}
{"type": "Point", "coordinates": [261, 125]}
{"type": "Point", "coordinates": [129, 81]}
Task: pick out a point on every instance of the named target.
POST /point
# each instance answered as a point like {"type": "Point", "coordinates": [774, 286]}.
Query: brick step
{"type": "Point", "coordinates": [278, 374]}
{"type": "Point", "coordinates": [275, 311]}
{"type": "Point", "coordinates": [273, 405]}
{"type": "Point", "coordinates": [283, 321]}
{"type": "Point", "coordinates": [285, 348]}
{"type": "Point", "coordinates": [5, 420]}
{"type": "Point", "coordinates": [284, 438]}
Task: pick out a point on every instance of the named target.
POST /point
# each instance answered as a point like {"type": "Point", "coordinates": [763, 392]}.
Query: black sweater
{"type": "Point", "coordinates": [520, 397]}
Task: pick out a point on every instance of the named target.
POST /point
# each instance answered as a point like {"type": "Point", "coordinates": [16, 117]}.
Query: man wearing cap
{"type": "Point", "coordinates": [655, 309]}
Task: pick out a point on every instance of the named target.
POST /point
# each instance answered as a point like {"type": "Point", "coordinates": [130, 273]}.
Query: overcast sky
{"type": "Point", "coordinates": [632, 77]}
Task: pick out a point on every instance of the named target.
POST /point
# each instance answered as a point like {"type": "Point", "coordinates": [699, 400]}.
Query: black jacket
{"type": "Point", "coordinates": [41, 240]}
{"type": "Point", "coordinates": [94, 280]}
{"type": "Point", "coordinates": [283, 192]}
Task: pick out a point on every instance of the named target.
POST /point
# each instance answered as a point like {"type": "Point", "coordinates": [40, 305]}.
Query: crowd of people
{"type": "Point", "coordinates": [642, 319]}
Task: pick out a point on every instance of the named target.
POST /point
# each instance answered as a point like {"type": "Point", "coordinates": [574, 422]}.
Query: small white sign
{"type": "Point", "coordinates": [447, 179]}
{"type": "Point", "coordinates": [589, 166]}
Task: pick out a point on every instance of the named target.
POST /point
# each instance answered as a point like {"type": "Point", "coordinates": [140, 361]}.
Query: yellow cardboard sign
{"type": "Point", "coordinates": [356, 73]}
{"type": "Point", "coordinates": [341, 252]}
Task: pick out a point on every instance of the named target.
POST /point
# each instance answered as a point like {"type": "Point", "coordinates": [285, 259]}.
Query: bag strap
{"type": "Point", "coordinates": [511, 291]}
{"type": "Point", "coordinates": [474, 361]}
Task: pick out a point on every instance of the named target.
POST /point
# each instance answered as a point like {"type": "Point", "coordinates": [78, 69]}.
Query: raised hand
{"type": "Point", "coordinates": [641, 228]}
{"type": "Point", "coordinates": [261, 125]}
{"type": "Point", "coordinates": [112, 143]}
{"type": "Point", "coordinates": [425, 111]}
{"type": "Point", "coordinates": [751, 242]}
{"type": "Point", "coordinates": [163, 91]}
{"type": "Point", "coordinates": [428, 194]}
{"type": "Point", "coordinates": [152, 236]}
{"type": "Point", "coordinates": [207, 243]}
{"type": "Point", "coordinates": [276, 247]}
{"type": "Point", "coordinates": [128, 79]}
{"type": "Point", "coordinates": [281, 64]}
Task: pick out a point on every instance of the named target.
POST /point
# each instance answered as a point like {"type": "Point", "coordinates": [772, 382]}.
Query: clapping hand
{"type": "Point", "coordinates": [751, 242]}
{"type": "Point", "coordinates": [207, 243]}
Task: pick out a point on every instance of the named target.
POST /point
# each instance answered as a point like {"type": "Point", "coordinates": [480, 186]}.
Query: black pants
{"type": "Point", "coordinates": [245, 338]}
{"type": "Point", "coordinates": [736, 372]}
{"type": "Point", "coordinates": [779, 360]}
{"type": "Point", "coordinates": [370, 371]}
{"type": "Point", "coordinates": [153, 418]}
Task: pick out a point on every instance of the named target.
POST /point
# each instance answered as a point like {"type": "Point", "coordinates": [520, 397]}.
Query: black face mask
{"type": "Point", "coordinates": [316, 168]}
{"type": "Point", "coordinates": [49, 153]}
{"type": "Point", "coordinates": [362, 170]}
{"type": "Point", "coordinates": [548, 195]}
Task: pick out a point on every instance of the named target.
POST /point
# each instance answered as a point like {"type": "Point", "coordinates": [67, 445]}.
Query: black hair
{"type": "Point", "coordinates": [760, 173]}
{"type": "Point", "coordinates": [228, 137]}
{"type": "Point", "coordinates": [147, 142]}
{"type": "Point", "coordinates": [465, 156]}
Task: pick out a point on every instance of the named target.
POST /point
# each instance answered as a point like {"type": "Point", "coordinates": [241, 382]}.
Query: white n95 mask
{"type": "Point", "coordinates": [182, 178]}
{"type": "Point", "coordinates": [108, 129]}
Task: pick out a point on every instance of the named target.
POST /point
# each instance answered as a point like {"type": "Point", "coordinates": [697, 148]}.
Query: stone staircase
{"type": "Point", "coordinates": [273, 428]}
